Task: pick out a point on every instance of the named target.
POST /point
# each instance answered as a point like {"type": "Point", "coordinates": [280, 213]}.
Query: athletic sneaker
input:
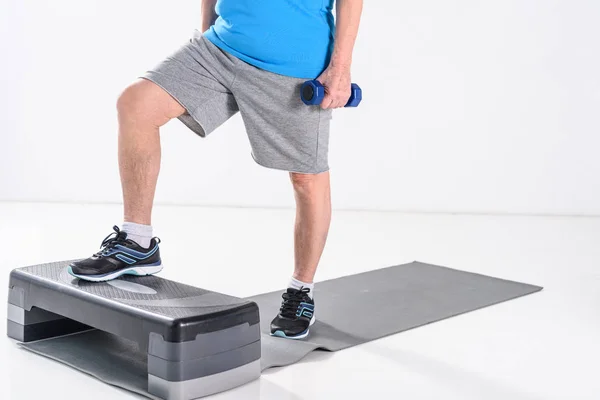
{"type": "Point", "coordinates": [118, 256]}
{"type": "Point", "coordinates": [296, 315]}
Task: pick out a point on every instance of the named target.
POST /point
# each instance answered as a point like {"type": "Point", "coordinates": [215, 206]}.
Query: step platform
{"type": "Point", "coordinates": [198, 342]}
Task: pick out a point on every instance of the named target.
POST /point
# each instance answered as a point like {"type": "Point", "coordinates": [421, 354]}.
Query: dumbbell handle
{"type": "Point", "coordinates": [313, 92]}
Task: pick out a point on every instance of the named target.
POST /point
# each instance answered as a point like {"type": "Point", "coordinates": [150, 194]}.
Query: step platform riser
{"type": "Point", "coordinates": [175, 371]}
{"type": "Point", "coordinates": [205, 386]}
{"type": "Point", "coordinates": [205, 344]}
{"type": "Point", "coordinates": [38, 324]}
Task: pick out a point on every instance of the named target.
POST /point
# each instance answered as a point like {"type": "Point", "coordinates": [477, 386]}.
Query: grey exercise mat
{"type": "Point", "coordinates": [350, 310]}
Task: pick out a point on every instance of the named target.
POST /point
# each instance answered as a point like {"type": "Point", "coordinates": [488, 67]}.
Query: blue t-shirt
{"type": "Point", "coordinates": [287, 37]}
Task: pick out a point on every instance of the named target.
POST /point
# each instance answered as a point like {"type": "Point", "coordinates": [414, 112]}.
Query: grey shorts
{"type": "Point", "coordinates": [213, 85]}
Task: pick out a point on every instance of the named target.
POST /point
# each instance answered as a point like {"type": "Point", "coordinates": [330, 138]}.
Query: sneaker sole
{"type": "Point", "coordinates": [138, 270]}
{"type": "Point", "coordinates": [297, 337]}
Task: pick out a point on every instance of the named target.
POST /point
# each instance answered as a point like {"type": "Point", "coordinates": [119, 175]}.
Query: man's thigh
{"type": "Point", "coordinates": [198, 76]}
{"type": "Point", "coordinates": [284, 132]}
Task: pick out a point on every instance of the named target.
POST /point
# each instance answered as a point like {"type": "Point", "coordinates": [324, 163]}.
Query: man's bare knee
{"type": "Point", "coordinates": [309, 185]}
{"type": "Point", "coordinates": [147, 103]}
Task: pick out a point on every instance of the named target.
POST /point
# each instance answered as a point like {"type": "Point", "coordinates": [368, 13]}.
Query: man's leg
{"type": "Point", "coordinates": [313, 215]}
{"type": "Point", "coordinates": [287, 135]}
{"type": "Point", "coordinates": [143, 108]}
{"type": "Point", "coordinates": [195, 79]}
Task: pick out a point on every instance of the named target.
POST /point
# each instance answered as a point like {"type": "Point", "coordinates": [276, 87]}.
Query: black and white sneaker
{"type": "Point", "coordinates": [118, 256]}
{"type": "Point", "coordinates": [296, 315]}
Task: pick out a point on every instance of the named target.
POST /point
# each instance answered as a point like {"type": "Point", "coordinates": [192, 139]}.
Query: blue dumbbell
{"type": "Point", "coordinates": [312, 93]}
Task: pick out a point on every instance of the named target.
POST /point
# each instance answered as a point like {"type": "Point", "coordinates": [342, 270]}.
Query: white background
{"type": "Point", "coordinates": [470, 106]}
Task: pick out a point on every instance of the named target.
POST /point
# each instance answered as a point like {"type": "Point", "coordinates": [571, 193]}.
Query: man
{"type": "Point", "coordinates": [252, 57]}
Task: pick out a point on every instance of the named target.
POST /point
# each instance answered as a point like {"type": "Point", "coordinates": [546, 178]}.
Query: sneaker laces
{"type": "Point", "coordinates": [291, 301]}
{"type": "Point", "coordinates": [111, 241]}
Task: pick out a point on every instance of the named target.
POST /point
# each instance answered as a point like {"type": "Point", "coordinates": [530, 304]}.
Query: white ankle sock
{"type": "Point", "coordinates": [141, 234]}
{"type": "Point", "coordinates": [296, 284]}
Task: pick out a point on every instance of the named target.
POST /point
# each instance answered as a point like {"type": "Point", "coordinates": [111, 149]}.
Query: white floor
{"type": "Point", "coordinates": [543, 346]}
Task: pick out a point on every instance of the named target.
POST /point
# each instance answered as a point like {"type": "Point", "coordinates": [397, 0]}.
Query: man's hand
{"type": "Point", "coordinates": [336, 81]}
{"type": "Point", "coordinates": [336, 78]}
